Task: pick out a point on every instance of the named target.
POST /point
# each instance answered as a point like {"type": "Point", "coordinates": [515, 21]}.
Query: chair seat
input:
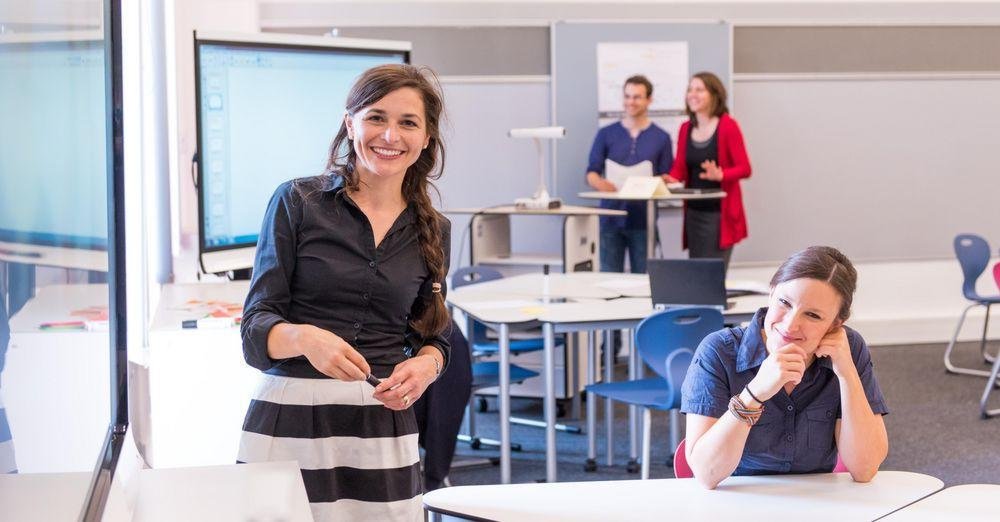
{"type": "Point", "coordinates": [487, 374]}
{"type": "Point", "coordinates": [516, 346]}
{"type": "Point", "coordinates": [650, 393]}
{"type": "Point", "coordinates": [988, 299]}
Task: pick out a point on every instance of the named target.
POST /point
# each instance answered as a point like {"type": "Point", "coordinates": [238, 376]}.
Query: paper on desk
{"type": "Point", "coordinates": [746, 285]}
{"type": "Point", "coordinates": [622, 284]}
{"type": "Point", "coordinates": [618, 173]}
{"type": "Point", "coordinates": [510, 303]}
{"type": "Point", "coordinates": [643, 187]}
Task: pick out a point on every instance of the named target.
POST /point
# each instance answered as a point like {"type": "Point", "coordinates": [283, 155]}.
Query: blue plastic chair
{"type": "Point", "coordinates": [973, 253]}
{"type": "Point", "coordinates": [666, 341]}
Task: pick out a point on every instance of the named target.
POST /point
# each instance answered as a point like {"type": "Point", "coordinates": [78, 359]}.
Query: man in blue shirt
{"type": "Point", "coordinates": [630, 141]}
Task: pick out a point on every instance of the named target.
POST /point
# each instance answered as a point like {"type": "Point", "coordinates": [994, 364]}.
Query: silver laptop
{"type": "Point", "coordinates": [687, 282]}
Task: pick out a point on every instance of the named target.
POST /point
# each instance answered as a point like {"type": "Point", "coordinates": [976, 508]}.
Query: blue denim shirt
{"type": "Point", "coordinates": [795, 434]}
{"type": "Point", "coordinates": [616, 144]}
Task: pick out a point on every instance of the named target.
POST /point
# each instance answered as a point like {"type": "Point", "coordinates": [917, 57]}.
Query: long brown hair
{"type": "Point", "coordinates": [826, 264]}
{"type": "Point", "coordinates": [714, 87]}
{"type": "Point", "coordinates": [371, 87]}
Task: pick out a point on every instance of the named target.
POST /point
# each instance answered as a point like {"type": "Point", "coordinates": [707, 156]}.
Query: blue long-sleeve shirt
{"type": "Point", "coordinates": [616, 144]}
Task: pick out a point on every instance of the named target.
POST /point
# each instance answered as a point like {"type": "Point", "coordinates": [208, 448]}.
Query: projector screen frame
{"type": "Point", "coordinates": [232, 258]}
{"type": "Point", "coordinates": [31, 247]}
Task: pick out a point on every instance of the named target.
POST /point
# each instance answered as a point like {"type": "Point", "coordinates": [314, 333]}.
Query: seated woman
{"type": "Point", "coordinates": [791, 390]}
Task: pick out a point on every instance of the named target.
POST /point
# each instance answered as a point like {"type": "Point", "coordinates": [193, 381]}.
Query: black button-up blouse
{"type": "Point", "coordinates": [317, 264]}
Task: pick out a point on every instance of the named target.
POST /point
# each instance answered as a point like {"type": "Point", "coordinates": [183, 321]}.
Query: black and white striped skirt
{"type": "Point", "coordinates": [359, 459]}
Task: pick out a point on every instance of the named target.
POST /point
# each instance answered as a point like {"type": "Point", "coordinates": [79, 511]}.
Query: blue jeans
{"type": "Point", "coordinates": [614, 242]}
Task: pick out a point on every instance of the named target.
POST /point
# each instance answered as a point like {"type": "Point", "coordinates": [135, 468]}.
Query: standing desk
{"type": "Point", "coordinates": [820, 497]}
{"type": "Point", "coordinates": [600, 301]}
{"type": "Point", "coordinates": [489, 235]}
{"type": "Point", "coordinates": [968, 502]}
{"type": "Point", "coordinates": [650, 207]}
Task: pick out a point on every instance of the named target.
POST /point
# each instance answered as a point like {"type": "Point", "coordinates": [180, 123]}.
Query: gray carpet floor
{"type": "Point", "coordinates": [934, 427]}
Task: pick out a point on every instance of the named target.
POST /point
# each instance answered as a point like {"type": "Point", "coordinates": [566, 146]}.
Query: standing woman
{"type": "Point", "coordinates": [711, 155]}
{"type": "Point", "coordinates": [349, 280]}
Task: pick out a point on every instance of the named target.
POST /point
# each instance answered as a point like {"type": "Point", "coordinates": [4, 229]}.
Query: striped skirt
{"type": "Point", "coordinates": [359, 459]}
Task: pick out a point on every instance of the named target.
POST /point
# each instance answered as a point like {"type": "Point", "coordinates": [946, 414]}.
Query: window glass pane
{"type": "Point", "coordinates": [54, 165]}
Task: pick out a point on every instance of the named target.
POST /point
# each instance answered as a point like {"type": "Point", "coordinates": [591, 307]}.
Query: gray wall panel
{"type": "Point", "coordinates": [485, 168]}
{"type": "Point", "coordinates": [462, 51]}
{"type": "Point", "coordinates": [865, 49]}
{"type": "Point", "coordinates": [884, 169]}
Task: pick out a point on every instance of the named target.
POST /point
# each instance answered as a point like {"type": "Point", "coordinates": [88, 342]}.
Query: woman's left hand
{"type": "Point", "coordinates": [407, 383]}
{"type": "Point", "coordinates": [712, 171]}
{"type": "Point", "coordinates": [835, 346]}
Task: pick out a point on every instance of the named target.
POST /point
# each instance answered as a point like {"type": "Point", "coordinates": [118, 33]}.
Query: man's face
{"type": "Point", "coordinates": [635, 100]}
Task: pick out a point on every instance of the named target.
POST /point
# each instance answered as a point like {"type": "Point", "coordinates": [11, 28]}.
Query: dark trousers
{"type": "Point", "coordinates": [702, 230]}
{"type": "Point", "coordinates": [440, 411]}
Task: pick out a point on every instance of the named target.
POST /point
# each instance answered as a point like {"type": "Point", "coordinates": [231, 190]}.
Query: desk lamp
{"type": "Point", "coordinates": [541, 199]}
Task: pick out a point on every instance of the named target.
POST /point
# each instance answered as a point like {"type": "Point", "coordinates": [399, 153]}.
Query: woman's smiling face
{"type": "Point", "coordinates": [389, 134]}
{"type": "Point", "coordinates": [801, 311]}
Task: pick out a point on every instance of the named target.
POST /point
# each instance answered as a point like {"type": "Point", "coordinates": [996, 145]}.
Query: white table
{"type": "Point", "coordinates": [258, 491]}
{"type": "Point", "coordinates": [968, 503]}
{"type": "Point", "coordinates": [650, 207]}
{"type": "Point", "coordinates": [518, 303]}
{"type": "Point", "coordinates": [815, 498]}
{"type": "Point", "coordinates": [57, 382]}
{"type": "Point", "coordinates": [198, 385]}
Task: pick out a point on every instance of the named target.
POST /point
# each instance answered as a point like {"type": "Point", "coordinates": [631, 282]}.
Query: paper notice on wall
{"type": "Point", "coordinates": [664, 63]}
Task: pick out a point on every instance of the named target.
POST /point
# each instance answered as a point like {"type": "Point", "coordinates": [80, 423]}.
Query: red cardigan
{"type": "Point", "coordinates": [735, 166]}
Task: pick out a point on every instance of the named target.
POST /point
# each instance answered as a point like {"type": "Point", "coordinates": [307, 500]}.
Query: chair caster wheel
{"type": "Point", "coordinates": [590, 466]}
{"type": "Point", "coordinates": [482, 405]}
{"type": "Point", "coordinates": [475, 444]}
{"type": "Point", "coordinates": [632, 466]}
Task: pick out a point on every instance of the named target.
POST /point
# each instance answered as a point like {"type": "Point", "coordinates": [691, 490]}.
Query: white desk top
{"type": "Point", "coordinates": [43, 496]}
{"type": "Point", "coordinates": [180, 302]}
{"type": "Point", "coordinates": [595, 296]}
{"type": "Point", "coordinates": [237, 492]}
{"type": "Point", "coordinates": [56, 303]}
{"type": "Point", "coordinates": [666, 197]}
{"type": "Point", "coordinates": [828, 496]}
{"type": "Point", "coordinates": [969, 502]}
{"type": "Point", "coordinates": [565, 210]}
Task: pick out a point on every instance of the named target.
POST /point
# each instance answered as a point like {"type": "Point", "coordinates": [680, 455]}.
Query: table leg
{"type": "Point", "coordinates": [633, 413]}
{"type": "Point", "coordinates": [650, 228]}
{"type": "Point", "coordinates": [550, 403]}
{"type": "Point", "coordinates": [609, 413]}
{"type": "Point", "coordinates": [591, 464]}
{"type": "Point", "coordinates": [504, 400]}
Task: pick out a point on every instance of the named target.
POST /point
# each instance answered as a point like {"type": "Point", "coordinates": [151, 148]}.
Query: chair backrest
{"type": "Point", "coordinates": [973, 253]}
{"type": "Point", "coordinates": [662, 333]}
{"type": "Point", "coordinates": [682, 470]}
{"type": "Point", "coordinates": [470, 275]}
{"type": "Point", "coordinates": [677, 367]}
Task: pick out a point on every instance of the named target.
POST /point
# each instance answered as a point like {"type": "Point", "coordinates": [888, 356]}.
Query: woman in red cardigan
{"type": "Point", "coordinates": [711, 154]}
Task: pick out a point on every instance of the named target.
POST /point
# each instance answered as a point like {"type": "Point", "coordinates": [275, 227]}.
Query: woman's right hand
{"type": "Point", "coordinates": [782, 366]}
{"type": "Point", "coordinates": [330, 354]}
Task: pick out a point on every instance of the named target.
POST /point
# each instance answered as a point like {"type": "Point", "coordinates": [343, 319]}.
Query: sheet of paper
{"type": "Point", "coordinates": [643, 187]}
{"type": "Point", "coordinates": [622, 284]}
{"type": "Point", "coordinates": [618, 173]}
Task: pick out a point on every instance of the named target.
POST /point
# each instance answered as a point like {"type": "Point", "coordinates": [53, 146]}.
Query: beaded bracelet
{"type": "Point", "coordinates": [743, 412]}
